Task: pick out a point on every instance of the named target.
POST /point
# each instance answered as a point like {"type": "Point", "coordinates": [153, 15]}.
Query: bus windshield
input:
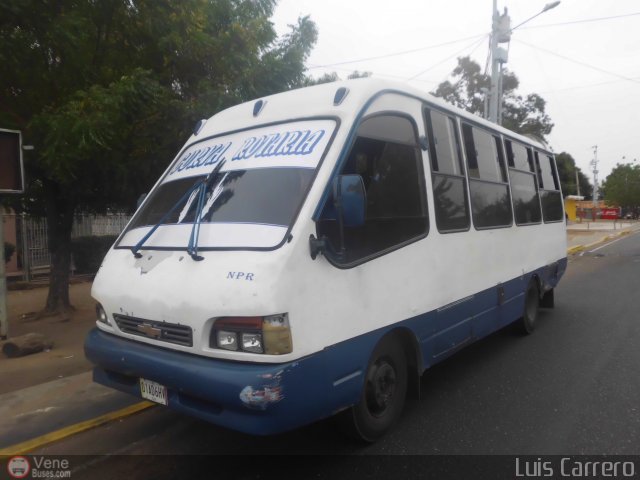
{"type": "Point", "coordinates": [251, 202]}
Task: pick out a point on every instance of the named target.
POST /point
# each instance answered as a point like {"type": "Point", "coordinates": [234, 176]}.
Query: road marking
{"type": "Point", "coordinates": [38, 442]}
{"type": "Point", "coordinates": [610, 243]}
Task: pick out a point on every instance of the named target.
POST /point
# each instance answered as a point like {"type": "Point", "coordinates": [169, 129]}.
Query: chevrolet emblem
{"type": "Point", "coordinates": [149, 330]}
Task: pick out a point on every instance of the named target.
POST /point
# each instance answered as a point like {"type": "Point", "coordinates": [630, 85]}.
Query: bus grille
{"type": "Point", "coordinates": [162, 331]}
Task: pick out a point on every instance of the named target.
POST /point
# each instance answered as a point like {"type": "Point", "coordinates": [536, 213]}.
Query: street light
{"type": "Point", "coordinates": [501, 33]}
{"type": "Point", "coordinates": [546, 8]}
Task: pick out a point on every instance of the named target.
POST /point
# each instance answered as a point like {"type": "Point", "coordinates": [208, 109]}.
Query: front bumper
{"type": "Point", "coordinates": [259, 399]}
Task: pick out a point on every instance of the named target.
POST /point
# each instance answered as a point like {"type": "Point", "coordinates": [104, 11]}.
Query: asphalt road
{"type": "Point", "coordinates": [570, 388]}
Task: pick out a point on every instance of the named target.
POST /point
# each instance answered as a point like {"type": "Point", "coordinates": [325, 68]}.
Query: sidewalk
{"type": "Point", "coordinates": [51, 390]}
{"type": "Point", "coordinates": [49, 395]}
{"type": "Point", "coordinates": [582, 236]}
{"type": "Point", "coordinates": [66, 357]}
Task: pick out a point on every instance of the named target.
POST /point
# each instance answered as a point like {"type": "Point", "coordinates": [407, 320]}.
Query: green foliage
{"type": "Point", "coordinates": [567, 172]}
{"type": "Point", "coordinates": [88, 252]}
{"type": "Point", "coordinates": [466, 89]}
{"type": "Point", "coordinates": [108, 91]}
{"type": "Point", "coordinates": [622, 186]}
{"type": "Point", "coordinates": [334, 77]}
{"type": "Point", "coordinates": [9, 250]}
{"type": "Point", "coordinates": [522, 114]}
{"type": "Point", "coordinates": [356, 74]}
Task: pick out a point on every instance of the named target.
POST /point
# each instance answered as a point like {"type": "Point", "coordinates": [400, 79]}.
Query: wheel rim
{"type": "Point", "coordinates": [381, 388]}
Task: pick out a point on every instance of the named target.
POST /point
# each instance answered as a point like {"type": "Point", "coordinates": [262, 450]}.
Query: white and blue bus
{"type": "Point", "coordinates": [313, 252]}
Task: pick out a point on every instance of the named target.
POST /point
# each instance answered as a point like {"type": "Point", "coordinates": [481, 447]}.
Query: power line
{"type": "Point", "coordinates": [586, 20]}
{"type": "Point", "coordinates": [590, 85]}
{"type": "Point", "coordinates": [474, 44]}
{"type": "Point", "coordinates": [578, 62]}
{"type": "Point", "coordinates": [452, 42]}
{"type": "Point", "coordinates": [395, 54]}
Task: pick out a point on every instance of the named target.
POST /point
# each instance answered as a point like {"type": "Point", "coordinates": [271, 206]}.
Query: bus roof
{"type": "Point", "coordinates": [318, 101]}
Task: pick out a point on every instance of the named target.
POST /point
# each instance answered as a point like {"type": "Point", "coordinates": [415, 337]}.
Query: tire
{"type": "Point", "coordinates": [548, 300]}
{"type": "Point", "coordinates": [531, 308]}
{"type": "Point", "coordinates": [383, 393]}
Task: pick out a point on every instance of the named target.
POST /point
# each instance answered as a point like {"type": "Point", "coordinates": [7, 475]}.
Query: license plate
{"type": "Point", "coordinates": [153, 391]}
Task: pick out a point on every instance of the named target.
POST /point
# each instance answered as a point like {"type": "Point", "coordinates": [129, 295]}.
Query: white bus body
{"type": "Point", "coordinates": [281, 306]}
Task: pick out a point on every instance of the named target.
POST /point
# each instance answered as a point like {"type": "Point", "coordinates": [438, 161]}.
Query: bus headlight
{"type": "Point", "coordinates": [252, 342]}
{"type": "Point", "coordinates": [270, 334]}
{"type": "Point", "coordinates": [227, 340]}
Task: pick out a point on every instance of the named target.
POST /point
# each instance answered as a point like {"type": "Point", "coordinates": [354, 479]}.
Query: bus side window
{"type": "Point", "coordinates": [449, 184]}
{"type": "Point", "coordinates": [550, 195]}
{"type": "Point", "coordinates": [524, 189]}
{"type": "Point", "coordinates": [386, 155]}
{"type": "Point", "coordinates": [488, 185]}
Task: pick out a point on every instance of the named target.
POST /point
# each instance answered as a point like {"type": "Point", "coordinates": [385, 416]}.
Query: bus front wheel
{"type": "Point", "coordinates": [383, 395]}
{"type": "Point", "coordinates": [531, 305]}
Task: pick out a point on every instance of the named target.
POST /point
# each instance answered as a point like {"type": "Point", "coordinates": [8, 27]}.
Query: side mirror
{"type": "Point", "coordinates": [348, 208]}
{"type": "Point", "coordinates": [349, 190]}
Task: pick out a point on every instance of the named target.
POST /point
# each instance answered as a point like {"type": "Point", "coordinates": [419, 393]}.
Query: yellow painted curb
{"type": "Point", "coordinates": [576, 249]}
{"type": "Point", "coordinates": [613, 236]}
{"type": "Point", "coordinates": [30, 445]}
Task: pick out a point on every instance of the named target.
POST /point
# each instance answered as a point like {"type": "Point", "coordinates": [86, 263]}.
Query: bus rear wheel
{"type": "Point", "coordinates": [383, 394]}
{"type": "Point", "coordinates": [531, 307]}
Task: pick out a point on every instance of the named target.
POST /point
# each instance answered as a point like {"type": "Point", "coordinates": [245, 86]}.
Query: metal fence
{"type": "Point", "coordinates": [31, 236]}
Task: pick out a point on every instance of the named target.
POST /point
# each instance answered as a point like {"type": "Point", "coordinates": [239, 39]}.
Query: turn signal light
{"type": "Point", "coordinates": [101, 314]}
{"type": "Point", "coordinates": [270, 334]}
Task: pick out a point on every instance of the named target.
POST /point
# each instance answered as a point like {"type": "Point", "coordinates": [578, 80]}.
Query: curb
{"type": "Point", "coordinates": [41, 441]}
{"type": "Point", "coordinates": [575, 249]}
{"type": "Point", "coordinates": [579, 248]}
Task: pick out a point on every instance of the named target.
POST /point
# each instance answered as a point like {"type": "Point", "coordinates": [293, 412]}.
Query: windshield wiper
{"type": "Point", "coordinates": [192, 248]}
{"type": "Point", "coordinates": [201, 188]}
{"type": "Point", "coordinates": [183, 199]}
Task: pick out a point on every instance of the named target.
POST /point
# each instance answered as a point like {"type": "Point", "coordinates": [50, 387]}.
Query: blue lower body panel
{"type": "Point", "coordinates": [259, 399]}
{"type": "Point", "coordinates": [264, 399]}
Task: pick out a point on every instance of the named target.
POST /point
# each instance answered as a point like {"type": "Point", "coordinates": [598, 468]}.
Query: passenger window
{"type": "Point", "coordinates": [443, 140]}
{"type": "Point", "coordinates": [524, 189]}
{"type": "Point", "coordinates": [489, 190]}
{"type": "Point", "coordinates": [518, 156]}
{"type": "Point", "coordinates": [547, 180]}
{"type": "Point", "coordinates": [550, 195]}
{"type": "Point", "coordinates": [483, 155]}
{"type": "Point", "coordinates": [449, 184]}
{"type": "Point", "coordinates": [385, 154]}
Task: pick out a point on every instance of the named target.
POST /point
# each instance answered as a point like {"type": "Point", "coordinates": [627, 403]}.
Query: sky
{"type": "Point", "coordinates": [587, 71]}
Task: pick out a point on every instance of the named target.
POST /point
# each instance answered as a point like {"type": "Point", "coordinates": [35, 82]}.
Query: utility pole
{"type": "Point", "coordinates": [4, 328]}
{"type": "Point", "coordinates": [501, 33]}
{"type": "Point", "coordinates": [11, 182]}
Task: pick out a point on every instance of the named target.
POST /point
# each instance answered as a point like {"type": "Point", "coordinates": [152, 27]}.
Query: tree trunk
{"type": "Point", "coordinates": [60, 211]}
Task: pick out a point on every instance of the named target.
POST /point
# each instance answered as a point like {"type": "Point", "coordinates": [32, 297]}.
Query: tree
{"type": "Point", "coordinates": [622, 186]}
{"type": "Point", "coordinates": [106, 91]}
{"type": "Point", "coordinates": [522, 114]}
{"type": "Point", "coordinates": [567, 172]}
{"type": "Point", "coordinates": [334, 77]}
